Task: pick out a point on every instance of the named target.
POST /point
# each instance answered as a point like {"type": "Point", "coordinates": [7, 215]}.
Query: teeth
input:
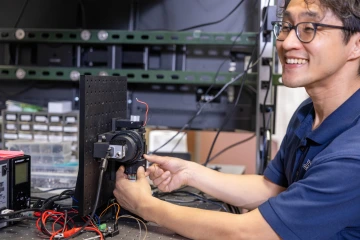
{"type": "Point", "coordinates": [296, 61]}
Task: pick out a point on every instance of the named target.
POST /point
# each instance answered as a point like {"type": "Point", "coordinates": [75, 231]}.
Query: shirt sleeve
{"type": "Point", "coordinates": [320, 205]}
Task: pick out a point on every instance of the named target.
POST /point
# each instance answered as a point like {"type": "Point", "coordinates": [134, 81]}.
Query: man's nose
{"type": "Point", "coordinates": [291, 41]}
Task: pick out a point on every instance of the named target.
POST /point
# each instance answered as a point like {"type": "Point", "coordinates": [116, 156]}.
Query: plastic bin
{"type": "Point", "coordinates": [54, 176]}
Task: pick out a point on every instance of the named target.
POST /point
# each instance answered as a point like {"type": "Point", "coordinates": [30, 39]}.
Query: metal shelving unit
{"type": "Point", "coordinates": [150, 57]}
{"type": "Point", "coordinates": [125, 37]}
{"type": "Point", "coordinates": [112, 39]}
{"type": "Point", "coordinates": [134, 76]}
{"type": "Point", "coordinates": [10, 72]}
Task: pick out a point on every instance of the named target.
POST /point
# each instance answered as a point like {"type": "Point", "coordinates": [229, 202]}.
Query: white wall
{"type": "Point", "coordinates": [288, 99]}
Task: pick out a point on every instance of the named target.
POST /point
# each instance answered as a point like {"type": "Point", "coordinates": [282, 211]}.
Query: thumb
{"type": "Point", "coordinates": [120, 173]}
{"type": "Point", "coordinates": [141, 173]}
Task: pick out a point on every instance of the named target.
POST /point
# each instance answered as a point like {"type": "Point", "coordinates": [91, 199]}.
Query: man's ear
{"type": "Point", "coordinates": [355, 53]}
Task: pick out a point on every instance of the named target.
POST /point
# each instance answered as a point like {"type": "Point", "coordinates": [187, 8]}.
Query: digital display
{"type": "Point", "coordinates": [21, 172]}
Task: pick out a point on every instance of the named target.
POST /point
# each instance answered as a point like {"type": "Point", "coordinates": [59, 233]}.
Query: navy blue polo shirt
{"type": "Point", "coordinates": [321, 170]}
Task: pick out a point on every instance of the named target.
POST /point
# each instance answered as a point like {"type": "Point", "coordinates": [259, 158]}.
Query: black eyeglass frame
{"type": "Point", "coordinates": [316, 25]}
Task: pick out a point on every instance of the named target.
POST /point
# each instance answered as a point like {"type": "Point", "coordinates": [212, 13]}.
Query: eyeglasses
{"type": "Point", "coordinates": [305, 31]}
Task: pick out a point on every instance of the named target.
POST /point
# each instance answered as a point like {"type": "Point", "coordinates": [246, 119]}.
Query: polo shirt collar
{"type": "Point", "coordinates": [342, 118]}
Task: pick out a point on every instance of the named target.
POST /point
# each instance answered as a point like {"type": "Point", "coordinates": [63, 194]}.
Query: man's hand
{"type": "Point", "coordinates": [168, 173]}
{"type": "Point", "coordinates": [132, 195]}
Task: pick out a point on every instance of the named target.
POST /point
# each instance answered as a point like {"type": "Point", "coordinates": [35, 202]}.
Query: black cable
{"type": "Point", "coordinates": [20, 211]}
{"type": "Point", "coordinates": [180, 192]}
{"type": "Point", "coordinates": [266, 95]}
{"type": "Point", "coordinates": [210, 100]}
{"type": "Point", "coordinates": [231, 48]}
{"type": "Point", "coordinates": [53, 189]}
{"type": "Point", "coordinates": [17, 219]}
{"type": "Point", "coordinates": [265, 127]}
{"type": "Point", "coordinates": [206, 102]}
{"type": "Point", "coordinates": [225, 121]}
{"type": "Point", "coordinates": [11, 94]}
{"type": "Point", "coordinates": [83, 15]}
{"type": "Point", "coordinates": [231, 146]}
{"type": "Point", "coordinates": [201, 108]}
{"type": "Point", "coordinates": [178, 142]}
{"type": "Point", "coordinates": [199, 197]}
{"type": "Point", "coordinates": [103, 167]}
{"type": "Point", "coordinates": [187, 125]}
{"type": "Point", "coordinates": [214, 22]}
{"type": "Point", "coordinates": [233, 209]}
{"type": "Point", "coordinates": [199, 25]}
{"type": "Point", "coordinates": [179, 201]}
{"type": "Point", "coordinates": [48, 202]}
{"type": "Point", "coordinates": [227, 118]}
{"type": "Point", "coordinates": [42, 226]}
{"type": "Point", "coordinates": [62, 196]}
{"type": "Point", "coordinates": [80, 15]}
{"type": "Point", "coordinates": [21, 13]}
{"type": "Point", "coordinates": [238, 97]}
{"type": "Point", "coordinates": [35, 199]}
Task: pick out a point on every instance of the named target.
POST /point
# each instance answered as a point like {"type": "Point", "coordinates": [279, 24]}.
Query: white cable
{"type": "Point", "coordinates": [129, 216]}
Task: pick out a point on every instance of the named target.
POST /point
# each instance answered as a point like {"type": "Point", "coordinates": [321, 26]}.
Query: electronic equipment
{"type": "Point", "coordinates": [14, 184]}
{"type": "Point", "coordinates": [3, 190]}
{"type": "Point", "coordinates": [102, 99]}
{"type": "Point", "coordinates": [124, 144]}
{"type": "Point", "coordinates": [179, 103]}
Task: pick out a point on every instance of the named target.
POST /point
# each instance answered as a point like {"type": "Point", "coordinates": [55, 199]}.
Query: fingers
{"type": "Point", "coordinates": [120, 173]}
{"type": "Point", "coordinates": [154, 171]}
{"type": "Point", "coordinates": [160, 179]}
{"type": "Point", "coordinates": [155, 159]}
{"type": "Point", "coordinates": [140, 173]}
{"type": "Point", "coordinates": [164, 185]}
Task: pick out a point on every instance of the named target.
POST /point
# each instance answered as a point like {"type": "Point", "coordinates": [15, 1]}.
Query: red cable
{"type": "Point", "coordinates": [147, 110]}
{"type": "Point", "coordinates": [58, 218]}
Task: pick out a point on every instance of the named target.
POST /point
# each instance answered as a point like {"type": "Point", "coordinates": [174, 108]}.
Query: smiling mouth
{"type": "Point", "coordinates": [296, 61]}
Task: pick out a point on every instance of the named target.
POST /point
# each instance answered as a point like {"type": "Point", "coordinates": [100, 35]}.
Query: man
{"type": "Point", "coordinates": [311, 190]}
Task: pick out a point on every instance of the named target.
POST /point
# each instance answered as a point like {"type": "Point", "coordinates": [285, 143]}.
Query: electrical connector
{"type": "Point", "coordinates": [6, 211]}
{"type": "Point", "coordinates": [113, 233]}
{"type": "Point", "coordinates": [102, 227]}
{"type": "Point", "coordinates": [68, 233]}
{"type": "Point", "coordinates": [38, 204]}
{"type": "Point", "coordinates": [56, 206]}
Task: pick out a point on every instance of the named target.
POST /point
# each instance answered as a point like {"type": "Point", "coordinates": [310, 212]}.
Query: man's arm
{"type": "Point", "coordinates": [246, 191]}
{"type": "Point", "coordinates": [190, 222]}
{"type": "Point", "coordinates": [204, 224]}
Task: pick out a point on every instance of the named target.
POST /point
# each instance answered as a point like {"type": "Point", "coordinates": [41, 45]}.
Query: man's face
{"type": "Point", "coordinates": [319, 62]}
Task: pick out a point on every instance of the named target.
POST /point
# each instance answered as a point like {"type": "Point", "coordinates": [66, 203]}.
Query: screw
{"type": "Point", "coordinates": [197, 34]}
{"type": "Point", "coordinates": [103, 73]}
{"type": "Point", "coordinates": [20, 34]}
{"type": "Point", "coordinates": [20, 73]}
{"type": "Point", "coordinates": [74, 75]}
{"type": "Point", "coordinates": [85, 35]}
{"type": "Point", "coordinates": [102, 35]}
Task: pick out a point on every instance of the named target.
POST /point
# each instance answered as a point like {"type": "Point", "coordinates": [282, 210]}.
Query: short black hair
{"type": "Point", "coordinates": [348, 11]}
